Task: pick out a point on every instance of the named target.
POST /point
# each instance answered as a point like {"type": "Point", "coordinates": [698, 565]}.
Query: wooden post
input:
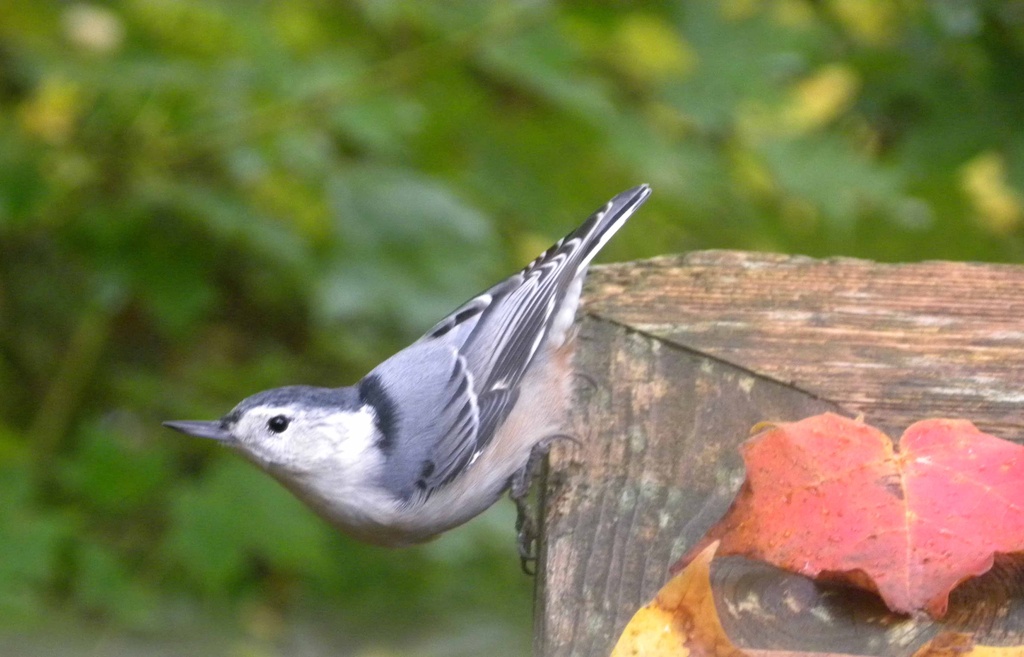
{"type": "Point", "coordinates": [680, 356]}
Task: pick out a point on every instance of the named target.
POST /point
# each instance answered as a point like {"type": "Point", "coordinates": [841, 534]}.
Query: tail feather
{"type": "Point", "coordinates": [595, 232]}
{"type": "Point", "coordinates": [583, 244]}
{"type": "Point", "coordinates": [569, 256]}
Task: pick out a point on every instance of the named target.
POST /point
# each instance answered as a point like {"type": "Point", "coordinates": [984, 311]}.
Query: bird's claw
{"type": "Point", "coordinates": [527, 529]}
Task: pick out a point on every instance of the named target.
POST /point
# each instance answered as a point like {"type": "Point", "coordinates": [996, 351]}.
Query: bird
{"type": "Point", "coordinates": [435, 434]}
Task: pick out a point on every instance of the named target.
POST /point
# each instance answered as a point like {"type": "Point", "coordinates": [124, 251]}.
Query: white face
{"type": "Point", "coordinates": [305, 439]}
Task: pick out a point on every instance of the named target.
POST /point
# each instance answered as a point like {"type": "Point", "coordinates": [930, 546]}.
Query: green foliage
{"type": "Point", "coordinates": [201, 198]}
{"type": "Point", "coordinates": [230, 518]}
{"type": "Point", "coordinates": [31, 537]}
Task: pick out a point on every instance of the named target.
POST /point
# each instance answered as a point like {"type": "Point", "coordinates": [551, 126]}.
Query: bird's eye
{"type": "Point", "coordinates": [277, 424]}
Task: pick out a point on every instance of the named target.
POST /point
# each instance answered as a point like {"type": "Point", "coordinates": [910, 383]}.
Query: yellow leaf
{"type": "Point", "coordinates": [996, 651]}
{"type": "Point", "coordinates": [870, 21]}
{"type": "Point", "coordinates": [297, 27]}
{"type": "Point", "coordinates": [794, 13]}
{"type": "Point", "coordinates": [999, 207]}
{"type": "Point", "coordinates": [737, 10]}
{"type": "Point", "coordinates": [751, 174]}
{"type": "Point", "coordinates": [52, 111]}
{"type": "Point", "coordinates": [819, 99]}
{"type": "Point", "coordinates": [681, 620]}
{"type": "Point", "coordinates": [650, 50]}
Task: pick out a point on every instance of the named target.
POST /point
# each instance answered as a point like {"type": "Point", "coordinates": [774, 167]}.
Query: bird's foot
{"type": "Point", "coordinates": [527, 529]}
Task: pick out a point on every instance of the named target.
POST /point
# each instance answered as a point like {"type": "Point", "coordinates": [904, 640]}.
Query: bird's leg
{"type": "Point", "coordinates": [526, 518]}
{"type": "Point", "coordinates": [526, 525]}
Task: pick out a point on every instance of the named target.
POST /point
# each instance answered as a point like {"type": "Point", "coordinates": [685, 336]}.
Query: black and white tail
{"type": "Point", "coordinates": [581, 245]}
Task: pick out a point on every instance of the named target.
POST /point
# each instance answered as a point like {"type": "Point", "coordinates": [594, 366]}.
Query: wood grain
{"type": "Point", "coordinates": [681, 356]}
{"type": "Point", "coordinates": [895, 342]}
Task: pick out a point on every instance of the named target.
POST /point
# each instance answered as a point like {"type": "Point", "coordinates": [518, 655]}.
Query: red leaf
{"type": "Point", "coordinates": [832, 498]}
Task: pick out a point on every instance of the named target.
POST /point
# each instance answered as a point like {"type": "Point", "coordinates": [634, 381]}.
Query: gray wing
{"type": "Point", "coordinates": [428, 416]}
{"type": "Point", "coordinates": [452, 389]}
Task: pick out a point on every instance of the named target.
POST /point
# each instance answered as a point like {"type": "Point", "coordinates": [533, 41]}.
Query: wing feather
{"type": "Point", "coordinates": [490, 343]}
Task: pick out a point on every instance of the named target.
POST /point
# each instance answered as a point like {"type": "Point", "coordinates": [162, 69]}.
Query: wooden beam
{"type": "Point", "coordinates": [680, 357]}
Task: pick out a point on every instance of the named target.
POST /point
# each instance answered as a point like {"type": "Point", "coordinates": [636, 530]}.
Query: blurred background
{"type": "Point", "coordinates": [200, 199]}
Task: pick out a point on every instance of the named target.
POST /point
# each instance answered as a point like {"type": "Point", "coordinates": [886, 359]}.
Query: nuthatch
{"type": "Point", "coordinates": [435, 434]}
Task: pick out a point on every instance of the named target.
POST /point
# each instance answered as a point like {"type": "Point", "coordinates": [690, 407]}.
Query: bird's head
{"type": "Point", "coordinates": [295, 428]}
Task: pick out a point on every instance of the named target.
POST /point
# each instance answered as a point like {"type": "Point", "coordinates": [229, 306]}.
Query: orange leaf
{"type": "Point", "coordinates": [681, 620]}
{"type": "Point", "coordinates": [833, 498]}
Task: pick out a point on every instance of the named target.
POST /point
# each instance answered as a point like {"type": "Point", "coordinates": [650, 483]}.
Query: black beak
{"type": "Point", "coordinates": [201, 429]}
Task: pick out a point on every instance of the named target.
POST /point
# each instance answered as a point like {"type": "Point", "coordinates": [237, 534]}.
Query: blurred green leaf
{"type": "Point", "coordinates": [32, 538]}
{"type": "Point", "coordinates": [235, 515]}
{"type": "Point", "coordinates": [111, 476]}
{"type": "Point", "coordinates": [408, 250]}
{"type": "Point", "coordinates": [805, 168]}
{"type": "Point", "coordinates": [106, 586]}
